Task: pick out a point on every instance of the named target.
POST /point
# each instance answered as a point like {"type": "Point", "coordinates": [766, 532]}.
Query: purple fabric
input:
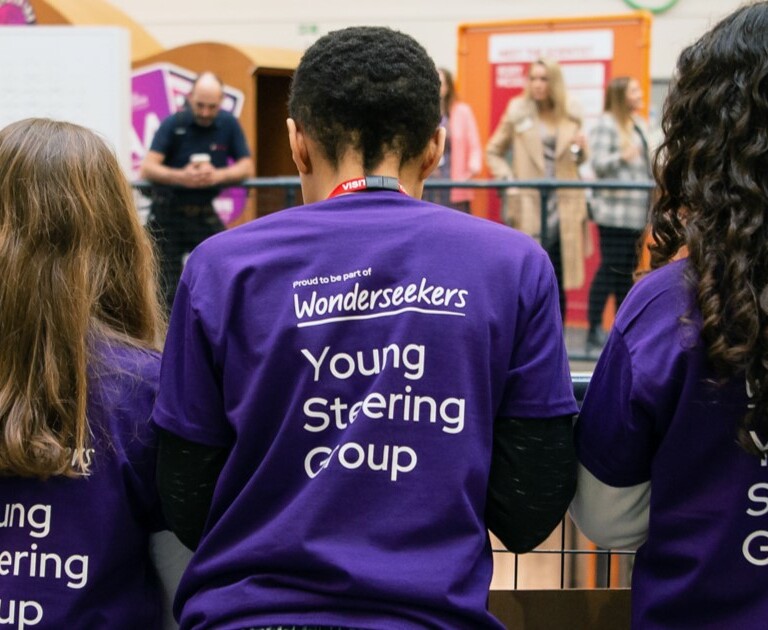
{"type": "Point", "coordinates": [309, 342]}
{"type": "Point", "coordinates": [652, 414]}
{"type": "Point", "coordinates": [74, 552]}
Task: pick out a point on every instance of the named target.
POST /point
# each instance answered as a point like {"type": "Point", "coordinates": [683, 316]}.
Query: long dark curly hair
{"type": "Point", "coordinates": [712, 174]}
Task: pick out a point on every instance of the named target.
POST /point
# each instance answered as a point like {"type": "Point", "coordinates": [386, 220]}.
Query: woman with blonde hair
{"type": "Point", "coordinates": [619, 151]}
{"type": "Point", "coordinates": [542, 129]}
{"type": "Point", "coordinates": [80, 330]}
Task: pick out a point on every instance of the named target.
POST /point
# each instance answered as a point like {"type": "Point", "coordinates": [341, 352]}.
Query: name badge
{"type": "Point", "coordinates": [524, 125]}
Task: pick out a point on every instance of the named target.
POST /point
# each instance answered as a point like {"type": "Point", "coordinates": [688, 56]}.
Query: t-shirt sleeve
{"type": "Point", "coordinates": [122, 391]}
{"type": "Point", "coordinates": [538, 381]}
{"type": "Point", "coordinates": [614, 436]}
{"type": "Point", "coordinates": [139, 476]}
{"type": "Point", "coordinates": [190, 400]}
{"type": "Point", "coordinates": [239, 144]}
{"type": "Point", "coordinates": [161, 141]}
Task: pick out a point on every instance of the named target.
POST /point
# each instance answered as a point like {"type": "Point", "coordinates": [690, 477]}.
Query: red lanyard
{"type": "Point", "coordinates": [372, 182]}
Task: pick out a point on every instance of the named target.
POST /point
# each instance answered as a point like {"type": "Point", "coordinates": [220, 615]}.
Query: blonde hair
{"type": "Point", "coordinates": [558, 97]}
{"type": "Point", "coordinates": [616, 104]}
{"type": "Point", "coordinates": [77, 267]}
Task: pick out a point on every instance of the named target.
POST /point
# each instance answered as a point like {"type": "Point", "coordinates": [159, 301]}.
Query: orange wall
{"type": "Point", "coordinates": [632, 37]}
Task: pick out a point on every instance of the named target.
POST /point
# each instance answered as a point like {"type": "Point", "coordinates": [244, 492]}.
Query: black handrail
{"type": "Point", "coordinates": [291, 185]}
{"type": "Point", "coordinates": [490, 184]}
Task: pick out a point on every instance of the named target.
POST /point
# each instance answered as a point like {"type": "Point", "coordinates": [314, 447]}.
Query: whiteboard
{"type": "Point", "coordinates": [80, 74]}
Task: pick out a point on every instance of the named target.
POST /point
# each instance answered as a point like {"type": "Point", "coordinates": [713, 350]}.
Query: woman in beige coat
{"type": "Point", "coordinates": [542, 129]}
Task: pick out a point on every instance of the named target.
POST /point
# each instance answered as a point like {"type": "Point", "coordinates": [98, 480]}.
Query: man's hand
{"type": "Point", "coordinates": [198, 175]}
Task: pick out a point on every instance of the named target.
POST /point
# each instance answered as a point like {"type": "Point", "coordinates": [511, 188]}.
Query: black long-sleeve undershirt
{"type": "Point", "coordinates": [187, 473]}
{"type": "Point", "coordinates": [532, 481]}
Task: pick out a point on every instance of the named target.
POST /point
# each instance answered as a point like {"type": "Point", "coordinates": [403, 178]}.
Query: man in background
{"type": "Point", "coordinates": [194, 154]}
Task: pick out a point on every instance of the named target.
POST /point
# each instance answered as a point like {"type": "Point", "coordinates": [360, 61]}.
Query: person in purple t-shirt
{"type": "Point", "coordinates": [673, 434]}
{"type": "Point", "coordinates": [354, 390]}
{"type": "Point", "coordinates": [80, 326]}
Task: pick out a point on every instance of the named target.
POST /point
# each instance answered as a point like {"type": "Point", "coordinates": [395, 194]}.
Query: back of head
{"type": "Point", "coordinates": [370, 89]}
{"type": "Point", "coordinates": [616, 98]}
{"type": "Point", "coordinates": [558, 96]}
{"type": "Point", "coordinates": [617, 106]}
{"type": "Point", "coordinates": [713, 194]}
{"type": "Point", "coordinates": [450, 88]}
{"type": "Point", "coordinates": [76, 265]}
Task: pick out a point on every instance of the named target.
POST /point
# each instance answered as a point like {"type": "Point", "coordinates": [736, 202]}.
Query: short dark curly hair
{"type": "Point", "coordinates": [713, 196]}
{"type": "Point", "coordinates": [373, 89]}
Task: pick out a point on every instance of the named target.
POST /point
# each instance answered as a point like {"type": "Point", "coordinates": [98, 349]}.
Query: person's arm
{"type": "Point", "coordinates": [532, 479]}
{"type": "Point", "coordinates": [498, 146]}
{"type": "Point", "coordinates": [187, 473]}
{"type": "Point", "coordinates": [475, 148]}
{"type": "Point", "coordinates": [194, 175]}
{"type": "Point", "coordinates": [604, 144]}
{"type": "Point", "coordinates": [612, 518]}
{"type": "Point", "coordinates": [153, 170]}
{"type": "Point", "coordinates": [170, 558]}
{"type": "Point", "coordinates": [234, 173]}
{"type": "Point", "coordinates": [617, 434]}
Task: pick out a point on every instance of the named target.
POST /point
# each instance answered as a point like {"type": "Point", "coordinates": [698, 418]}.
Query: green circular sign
{"type": "Point", "coordinates": [655, 7]}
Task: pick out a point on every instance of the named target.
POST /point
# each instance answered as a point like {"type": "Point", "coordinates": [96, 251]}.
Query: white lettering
{"type": "Point", "coordinates": [755, 497]}
{"type": "Point", "coordinates": [77, 577]}
{"type": "Point", "coordinates": [406, 406]}
{"type": "Point", "coordinates": [353, 456]}
{"type": "Point", "coordinates": [763, 448]}
{"type": "Point", "coordinates": [396, 467]}
{"type": "Point", "coordinates": [455, 421]}
{"type": "Point", "coordinates": [311, 466]}
{"type": "Point", "coordinates": [310, 413]}
{"type": "Point", "coordinates": [358, 451]}
{"type": "Point", "coordinates": [38, 517]}
{"type": "Point", "coordinates": [353, 184]}
{"type": "Point", "coordinates": [746, 549]}
{"type": "Point", "coordinates": [372, 405]}
{"type": "Point", "coordinates": [342, 365]}
{"type": "Point", "coordinates": [359, 300]}
{"type": "Point", "coordinates": [23, 620]}
{"type": "Point", "coordinates": [344, 372]}
{"type": "Point", "coordinates": [302, 308]}
{"type": "Point", "coordinates": [316, 363]}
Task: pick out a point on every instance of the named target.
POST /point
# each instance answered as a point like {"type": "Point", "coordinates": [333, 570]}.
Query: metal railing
{"type": "Point", "coordinates": [599, 568]}
{"type": "Point", "coordinates": [290, 187]}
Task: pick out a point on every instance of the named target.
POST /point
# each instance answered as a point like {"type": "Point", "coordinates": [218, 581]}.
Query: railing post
{"type": "Point", "coordinates": [290, 197]}
{"type": "Point", "coordinates": [544, 193]}
{"type": "Point", "coordinates": [501, 191]}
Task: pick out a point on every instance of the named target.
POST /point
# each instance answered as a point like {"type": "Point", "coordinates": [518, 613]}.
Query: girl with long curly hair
{"type": "Point", "coordinates": [673, 434]}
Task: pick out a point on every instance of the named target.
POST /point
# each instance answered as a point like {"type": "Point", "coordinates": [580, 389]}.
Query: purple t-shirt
{"type": "Point", "coordinates": [74, 552]}
{"type": "Point", "coordinates": [353, 355]}
{"type": "Point", "coordinates": [651, 413]}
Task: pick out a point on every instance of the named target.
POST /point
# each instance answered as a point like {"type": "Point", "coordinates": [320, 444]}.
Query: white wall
{"type": "Point", "coordinates": [81, 75]}
{"type": "Point", "coordinates": [297, 23]}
